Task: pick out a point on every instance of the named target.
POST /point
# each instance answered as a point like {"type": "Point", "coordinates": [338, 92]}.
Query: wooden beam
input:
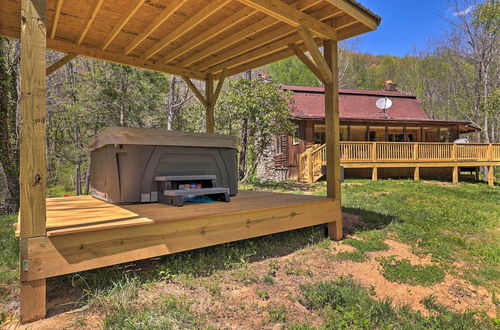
{"type": "Point", "coordinates": [185, 27]}
{"type": "Point", "coordinates": [164, 15]}
{"type": "Point", "coordinates": [307, 62]}
{"type": "Point", "coordinates": [455, 174]}
{"type": "Point", "coordinates": [349, 8]}
{"type": "Point", "coordinates": [209, 34]}
{"type": "Point", "coordinates": [282, 33]}
{"type": "Point", "coordinates": [241, 35]}
{"type": "Point", "coordinates": [89, 19]}
{"type": "Point", "coordinates": [55, 21]}
{"type": "Point", "coordinates": [60, 63]}
{"type": "Point", "coordinates": [491, 176]}
{"type": "Point", "coordinates": [32, 173]}
{"type": "Point", "coordinates": [318, 58]}
{"type": "Point", "coordinates": [32, 155]}
{"type": "Point", "coordinates": [374, 174]}
{"type": "Point", "coordinates": [290, 15]}
{"type": "Point", "coordinates": [261, 61]}
{"type": "Point", "coordinates": [253, 55]}
{"type": "Point", "coordinates": [332, 122]}
{"type": "Point", "coordinates": [70, 47]}
{"type": "Point", "coordinates": [222, 77]}
{"type": "Point", "coordinates": [210, 106]}
{"type": "Point", "coordinates": [132, 9]}
{"type": "Point", "coordinates": [33, 300]}
{"type": "Point", "coordinates": [195, 91]}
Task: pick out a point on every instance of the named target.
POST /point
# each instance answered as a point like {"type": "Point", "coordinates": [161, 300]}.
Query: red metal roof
{"type": "Point", "coordinates": [355, 103]}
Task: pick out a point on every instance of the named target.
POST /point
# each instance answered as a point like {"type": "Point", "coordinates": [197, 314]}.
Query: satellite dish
{"type": "Point", "coordinates": [384, 103]}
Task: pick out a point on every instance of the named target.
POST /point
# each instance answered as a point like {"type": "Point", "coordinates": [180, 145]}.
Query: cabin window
{"type": "Point", "coordinates": [279, 145]}
{"type": "Point", "coordinates": [319, 138]}
{"type": "Point", "coordinates": [395, 138]}
{"type": "Point", "coordinates": [372, 136]}
{"type": "Point", "coordinates": [410, 137]}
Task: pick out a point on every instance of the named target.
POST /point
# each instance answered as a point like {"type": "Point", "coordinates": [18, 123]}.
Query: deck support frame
{"type": "Point", "coordinates": [332, 135]}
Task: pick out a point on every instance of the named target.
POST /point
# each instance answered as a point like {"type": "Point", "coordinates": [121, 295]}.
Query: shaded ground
{"type": "Point", "coordinates": [427, 246]}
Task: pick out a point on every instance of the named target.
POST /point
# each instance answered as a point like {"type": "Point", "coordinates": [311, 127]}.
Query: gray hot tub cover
{"type": "Point", "coordinates": [148, 136]}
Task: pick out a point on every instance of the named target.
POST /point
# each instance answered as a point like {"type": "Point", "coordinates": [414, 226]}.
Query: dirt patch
{"type": "Point", "coordinates": [253, 296]}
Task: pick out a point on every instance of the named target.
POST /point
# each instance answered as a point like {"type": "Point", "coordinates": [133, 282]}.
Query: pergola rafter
{"type": "Point", "coordinates": [214, 40]}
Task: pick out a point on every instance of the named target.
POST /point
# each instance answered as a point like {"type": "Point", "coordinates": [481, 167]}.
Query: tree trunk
{"type": "Point", "coordinates": [243, 149]}
{"type": "Point", "coordinates": [87, 181]}
{"type": "Point", "coordinates": [78, 180]}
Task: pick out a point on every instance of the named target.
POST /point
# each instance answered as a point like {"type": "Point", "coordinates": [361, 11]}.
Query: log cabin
{"type": "Point", "coordinates": [372, 139]}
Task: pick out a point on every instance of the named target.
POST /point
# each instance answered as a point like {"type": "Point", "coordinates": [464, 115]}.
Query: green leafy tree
{"type": "Point", "coordinates": [256, 112]}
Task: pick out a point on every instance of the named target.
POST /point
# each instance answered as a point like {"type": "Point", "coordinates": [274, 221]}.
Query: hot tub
{"type": "Point", "coordinates": [125, 161]}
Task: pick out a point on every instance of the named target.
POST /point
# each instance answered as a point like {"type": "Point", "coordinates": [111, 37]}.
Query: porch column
{"type": "Point", "coordinates": [332, 128]}
{"type": "Point", "coordinates": [32, 177]}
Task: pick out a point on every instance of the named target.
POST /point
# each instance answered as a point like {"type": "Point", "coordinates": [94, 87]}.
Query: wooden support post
{"type": "Point", "coordinates": [386, 133]}
{"type": "Point", "coordinates": [374, 174]}
{"type": "Point", "coordinates": [60, 63]}
{"type": "Point", "coordinates": [209, 94]}
{"type": "Point", "coordinates": [374, 151]}
{"type": "Point", "coordinates": [405, 139]}
{"type": "Point", "coordinates": [33, 305]}
{"type": "Point", "coordinates": [455, 174]}
{"type": "Point", "coordinates": [415, 151]}
{"type": "Point", "coordinates": [310, 165]}
{"type": "Point", "coordinates": [348, 132]}
{"type": "Point", "coordinates": [422, 134]}
{"type": "Point", "coordinates": [332, 127]}
{"type": "Point", "coordinates": [367, 133]}
{"type": "Point", "coordinates": [32, 178]}
{"type": "Point", "coordinates": [491, 176]}
{"type": "Point", "coordinates": [416, 174]}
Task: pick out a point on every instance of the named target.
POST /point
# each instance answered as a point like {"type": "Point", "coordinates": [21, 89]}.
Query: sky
{"type": "Point", "coordinates": [406, 25]}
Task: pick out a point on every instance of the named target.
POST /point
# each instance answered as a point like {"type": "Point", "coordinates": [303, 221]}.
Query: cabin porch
{"type": "Point", "coordinates": [438, 159]}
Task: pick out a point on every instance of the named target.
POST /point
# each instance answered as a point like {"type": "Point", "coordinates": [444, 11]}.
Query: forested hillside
{"type": "Point", "coordinates": [456, 78]}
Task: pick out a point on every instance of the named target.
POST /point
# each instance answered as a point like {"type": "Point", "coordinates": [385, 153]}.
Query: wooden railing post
{"type": "Point", "coordinates": [489, 153]}
{"type": "Point", "coordinates": [454, 152]}
{"type": "Point", "coordinates": [374, 152]}
{"type": "Point", "coordinates": [310, 166]}
{"type": "Point", "coordinates": [415, 151]}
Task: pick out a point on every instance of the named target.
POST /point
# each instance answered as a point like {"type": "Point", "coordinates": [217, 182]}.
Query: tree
{"type": "Point", "coordinates": [256, 112]}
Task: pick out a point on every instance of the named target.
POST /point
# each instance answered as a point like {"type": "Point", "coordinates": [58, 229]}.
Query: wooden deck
{"type": "Point", "coordinates": [414, 155]}
{"type": "Point", "coordinates": [85, 233]}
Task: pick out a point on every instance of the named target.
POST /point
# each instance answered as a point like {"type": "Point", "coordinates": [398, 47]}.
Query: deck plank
{"type": "Point", "coordinates": [67, 215]}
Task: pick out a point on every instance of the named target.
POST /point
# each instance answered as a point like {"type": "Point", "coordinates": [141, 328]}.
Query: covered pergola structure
{"type": "Point", "coordinates": [205, 40]}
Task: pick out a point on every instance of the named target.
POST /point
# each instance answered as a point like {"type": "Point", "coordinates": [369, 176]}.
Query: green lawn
{"type": "Point", "coordinates": [457, 226]}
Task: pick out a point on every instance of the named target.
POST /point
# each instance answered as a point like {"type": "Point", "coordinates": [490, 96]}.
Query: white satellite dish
{"type": "Point", "coordinates": [384, 103]}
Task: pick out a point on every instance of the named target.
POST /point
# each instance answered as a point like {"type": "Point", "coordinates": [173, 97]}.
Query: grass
{"type": "Point", "coordinates": [170, 313]}
{"type": "Point", "coordinates": [402, 271]}
{"type": "Point", "coordinates": [9, 255]}
{"type": "Point", "coordinates": [451, 223]}
{"type": "Point", "coordinates": [356, 256]}
{"type": "Point", "coordinates": [344, 304]}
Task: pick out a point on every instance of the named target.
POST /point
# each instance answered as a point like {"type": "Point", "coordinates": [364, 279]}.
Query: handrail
{"type": "Point", "coordinates": [311, 161]}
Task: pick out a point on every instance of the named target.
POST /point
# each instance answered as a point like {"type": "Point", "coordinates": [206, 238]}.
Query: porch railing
{"type": "Point", "coordinates": [311, 161]}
